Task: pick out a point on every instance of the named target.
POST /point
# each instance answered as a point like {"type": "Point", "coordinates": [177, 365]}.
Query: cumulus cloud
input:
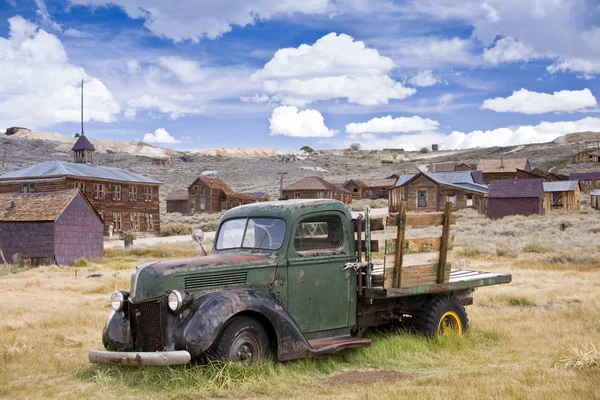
{"type": "Point", "coordinates": [257, 98]}
{"type": "Point", "coordinates": [196, 19]}
{"type": "Point", "coordinates": [40, 87]}
{"type": "Point", "coordinates": [160, 136]}
{"type": "Point", "coordinates": [389, 125]}
{"type": "Point", "coordinates": [424, 78]}
{"type": "Point", "coordinates": [188, 71]}
{"type": "Point", "coordinates": [508, 49]}
{"type": "Point", "coordinates": [149, 102]}
{"type": "Point", "coordinates": [586, 67]}
{"type": "Point", "coordinates": [334, 67]}
{"type": "Point", "coordinates": [508, 136]}
{"type": "Point", "coordinates": [71, 32]}
{"type": "Point", "coordinates": [525, 102]}
{"type": "Point", "coordinates": [288, 121]}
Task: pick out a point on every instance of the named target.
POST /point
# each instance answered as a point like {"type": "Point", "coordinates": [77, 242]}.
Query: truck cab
{"type": "Point", "coordinates": [285, 277]}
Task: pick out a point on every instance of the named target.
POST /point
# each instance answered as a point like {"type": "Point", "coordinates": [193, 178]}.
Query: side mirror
{"type": "Point", "coordinates": [198, 235]}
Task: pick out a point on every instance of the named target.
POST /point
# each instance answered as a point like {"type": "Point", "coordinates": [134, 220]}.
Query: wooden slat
{"type": "Point", "coordinates": [420, 219]}
{"type": "Point", "coordinates": [377, 224]}
{"type": "Point", "coordinates": [401, 227]}
{"type": "Point", "coordinates": [413, 276]}
{"type": "Point", "coordinates": [417, 245]}
{"type": "Point", "coordinates": [416, 259]}
{"type": "Point", "coordinates": [444, 270]}
{"type": "Point", "coordinates": [374, 246]}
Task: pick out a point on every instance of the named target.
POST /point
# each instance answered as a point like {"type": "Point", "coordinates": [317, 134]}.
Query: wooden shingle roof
{"type": "Point", "coordinates": [83, 144]}
{"type": "Point", "coordinates": [214, 183]}
{"type": "Point", "coordinates": [502, 165]}
{"type": "Point", "coordinates": [311, 183]}
{"type": "Point", "coordinates": [181, 194]}
{"type": "Point", "coordinates": [29, 207]}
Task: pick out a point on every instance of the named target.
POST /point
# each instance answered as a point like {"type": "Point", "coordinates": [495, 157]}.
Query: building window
{"type": "Point", "coordinates": [147, 194]}
{"type": "Point", "coordinates": [98, 191]}
{"type": "Point", "coordinates": [203, 203]}
{"type": "Point", "coordinates": [296, 195]}
{"type": "Point", "coordinates": [469, 200]}
{"type": "Point", "coordinates": [422, 199]}
{"type": "Point", "coordinates": [132, 193]}
{"type": "Point", "coordinates": [116, 192]}
{"type": "Point", "coordinates": [134, 222]}
{"type": "Point", "coordinates": [28, 187]}
{"type": "Point", "coordinates": [452, 199]}
{"type": "Point", "coordinates": [80, 186]}
{"type": "Point", "coordinates": [355, 190]}
{"type": "Point", "coordinates": [102, 215]}
{"type": "Point", "coordinates": [117, 221]}
{"type": "Point", "coordinates": [320, 195]}
{"type": "Point", "coordinates": [149, 223]}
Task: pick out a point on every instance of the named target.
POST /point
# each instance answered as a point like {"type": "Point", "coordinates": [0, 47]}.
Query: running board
{"type": "Point", "coordinates": [333, 345]}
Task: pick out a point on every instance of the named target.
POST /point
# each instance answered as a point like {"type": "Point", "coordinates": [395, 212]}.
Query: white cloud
{"type": "Point", "coordinates": [149, 102]}
{"type": "Point", "coordinates": [509, 136]}
{"type": "Point", "coordinates": [288, 121]}
{"type": "Point", "coordinates": [424, 78]}
{"type": "Point", "coordinates": [257, 98]}
{"type": "Point", "coordinates": [525, 102]}
{"type": "Point", "coordinates": [196, 19]}
{"type": "Point", "coordinates": [586, 67]}
{"type": "Point", "coordinates": [187, 71]}
{"type": "Point", "coordinates": [45, 18]}
{"type": "Point", "coordinates": [71, 32]}
{"type": "Point", "coordinates": [389, 124]}
{"type": "Point", "coordinates": [334, 67]}
{"type": "Point", "coordinates": [508, 49]}
{"type": "Point", "coordinates": [40, 87]}
{"type": "Point", "coordinates": [160, 136]}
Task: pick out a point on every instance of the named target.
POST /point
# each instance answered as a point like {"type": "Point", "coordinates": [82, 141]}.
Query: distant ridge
{"type": "Point", "coordinates": [578, 137]}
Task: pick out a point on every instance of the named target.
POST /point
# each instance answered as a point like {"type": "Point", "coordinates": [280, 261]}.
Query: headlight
{"type": "Point", "coordinates": [117, 300]}
{"type": "Point", "coordinates": [175, 300]}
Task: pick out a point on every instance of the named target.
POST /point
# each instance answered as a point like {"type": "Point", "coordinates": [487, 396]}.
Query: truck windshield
{"type": "Point", "coordinates": [251, 233]}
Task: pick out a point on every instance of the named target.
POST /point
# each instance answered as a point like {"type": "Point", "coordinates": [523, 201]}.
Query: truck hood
{"type": "Point", "coordinates": [156, 279]}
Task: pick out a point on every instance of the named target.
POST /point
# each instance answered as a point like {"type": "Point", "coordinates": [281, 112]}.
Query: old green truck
{"type": "Point", "coordinates": [294, 278]}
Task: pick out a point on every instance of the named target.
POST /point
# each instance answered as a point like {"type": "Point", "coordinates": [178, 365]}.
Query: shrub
{"type": "Point", "coordinates": [176, 229]}
{"type": "Point", "coordinates": [355, 146]}
{"type": "Point", "coordinates": [81, 262]}
{"type": "Point", "coordinates": [536, 247]}
{"type": "Point", "coordinates": [424, 150]}
{"type": "Point", "coordinates": [307, 149]}
{"type": "Point", "coordinates": [580, 357]}
{"type": "Point", "coordinates": [504, 250]}
{"type": "Point", "coordinates": [128, 235]}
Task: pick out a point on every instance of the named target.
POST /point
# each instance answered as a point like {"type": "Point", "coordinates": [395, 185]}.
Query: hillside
{"type": "Point", "coordinates": [260, 173]}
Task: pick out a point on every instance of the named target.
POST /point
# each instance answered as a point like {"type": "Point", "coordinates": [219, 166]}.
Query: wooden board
{"type": "Point", "coordinates": [417, 245]}
{"type": "Point", "coordinates": [420, 219]}
{"type": "Point", "coordinates": [417, 275]}
{"type": "Point", "coordinates": [415, 259]}
{"type": "Point", "coordinates": [374, 246]}
{"type": "Point", "coordinates": [377, 224]}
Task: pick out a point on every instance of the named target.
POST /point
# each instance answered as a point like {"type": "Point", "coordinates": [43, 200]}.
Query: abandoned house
{"type": "Point", "coordinates": [162, 161]}
{"type": "Point", "coordinates": [126, 200]}
{"type": "Point", "coordinates": [370, 188]}
{"type": "Point", "coordinates": [49, 228]}
{"type": "Point", "coordinates": [562, 195]}
{"type": "Point", "coordinates": [314, 187]}
{"type": "Point", "coordinates": [538, 173]}
{"type": "Point", "coordinates": [588, 181]}
{"type": "Point", "coordinates": [502, 168]}
{"type": "Point", "coordinates": [515, 197]}
{"type": "Point", "coordinates": [178, 202]}
{"type": "Point", "coordinates": [427, 191]}
{"type": "Point", "coordinates": [587, 156]}
{"type": "Point", "coordinates": [451, 167]}
{"type": "Point", "coordinates": [211, 195]}
{"type": "Point", "coordinates": [260, 196]}
{"type": "Point", "coordinates": [595, 199]}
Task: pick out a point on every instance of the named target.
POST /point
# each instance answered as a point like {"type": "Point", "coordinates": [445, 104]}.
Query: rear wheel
{"type": "Point", "coordinates": [442, 316]}
{"type": "Point", "coordinates": [242, 340]}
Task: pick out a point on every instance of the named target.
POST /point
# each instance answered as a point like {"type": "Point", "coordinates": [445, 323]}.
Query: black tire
{"type": "Point", "coordinates": [242, 340]}
{"type": "Point", "coordinates": [441, 316]}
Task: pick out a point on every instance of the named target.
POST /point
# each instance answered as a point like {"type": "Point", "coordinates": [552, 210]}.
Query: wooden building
{"type": "Point", "coordinates": [178, 202]}
{"type": "Point", "coordinates": [429, 192]}
{"type": "Point", "coordinates": [314, 187]}
{"type": "Point", "coordinates": [49, 228]}
{"type": "Point", "coordinates": [515, 197]}
{"type": "Point", "coordinates": [162, 161]}
{"type": "Point", "coordinates": [537, 173]}
{"type": "Point", "coordinates": [126, 200]}
{"type": "Point", "coordinates": [357, 187]}
{"type": "Point", "coordinates": [211, 195]}
{"type": "Point", "coordinates": [588, 181]}
{"type": "Point", "coordinates": [502, 168]}
{"type": "Point", "coordinates": [370, 188]}
{"type": "Point", "coordinates": [595, 199]}
{"type": "Point", "coordinates": [260, 196]}
{"type": "Point", "coordinates": [451, 167]}
{"type": "Point", "coordinates": [562, 195]}
{"type": "Point", "coordinates": [587, 156]}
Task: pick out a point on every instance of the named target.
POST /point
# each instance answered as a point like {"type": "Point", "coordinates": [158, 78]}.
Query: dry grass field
{"type": "Point", "coordinates": [536, 338]}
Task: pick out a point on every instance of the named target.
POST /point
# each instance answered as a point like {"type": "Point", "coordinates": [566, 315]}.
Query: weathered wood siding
{"type": "Point", "coordinates": [314, 194]}
{"type": "Point", "coordinates": [431, 194]}
{"type": "Point", "coordinates": [567, 201]}
{"type": "Point", "coordinates": [29, 239]}
{"type": "Point", "coordinates": [585, 157]}
{"type": "Point", "coordinates": [178, 206]}
{"type": "Point", "coordinates": [493, 176]}
{"type": "Point", "coordinates": [502, 207]}
{"type": "Point", "coordinates": [212, 198]}
{"type": "Point", "coordinates": [40, 185]}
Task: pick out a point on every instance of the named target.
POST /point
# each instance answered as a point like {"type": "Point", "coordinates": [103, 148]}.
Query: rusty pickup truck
{"type": "Point", "coordinates": [293, 278]}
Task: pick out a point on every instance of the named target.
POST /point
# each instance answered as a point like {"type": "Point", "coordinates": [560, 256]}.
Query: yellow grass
{"type": "Point", "coordinates": [534, 338]}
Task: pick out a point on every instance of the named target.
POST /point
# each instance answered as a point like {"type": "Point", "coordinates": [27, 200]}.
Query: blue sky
{"type": "Point", "coordinates": [287, 73]}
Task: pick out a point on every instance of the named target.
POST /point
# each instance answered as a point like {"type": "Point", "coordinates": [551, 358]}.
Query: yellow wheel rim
{"type": "Point", "coordinates": [450, 324]}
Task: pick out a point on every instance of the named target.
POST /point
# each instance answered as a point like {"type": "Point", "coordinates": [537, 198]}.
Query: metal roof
{"type": "Point", "coordinates": [461, 180]}
{"type": "Point", "coordinates": [585, 176]}
{"type": "Point", "coordinates": [560, 186]}
{"type": "Point", "coordinates": [455, 177]}
{"type": "Point", "coordinates": [402, 179]}
{"type": "Point", "coordinates": [50, 169]}
{"type": "Point", "coordinates": [520, 188]}
{"type": "Point", "coordinates": [83, 144]}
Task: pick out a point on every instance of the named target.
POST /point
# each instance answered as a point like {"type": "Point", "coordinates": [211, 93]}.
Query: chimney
{"type": "Point", "coordinates": [12, 206]}
{"type": "Point", "coordinates": [501, 162]}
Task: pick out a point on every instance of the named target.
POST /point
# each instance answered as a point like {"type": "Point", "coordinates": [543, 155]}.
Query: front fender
{"type": "Point", "coordinates": [116, 335]}
{"type": "Point", "coordinates": [198, 330]}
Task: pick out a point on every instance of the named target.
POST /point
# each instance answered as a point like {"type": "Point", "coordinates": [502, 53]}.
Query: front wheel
{"type": "Point", "coordinates": [242, 340]}
{"type": "Point", "coordinates": [442, 316]}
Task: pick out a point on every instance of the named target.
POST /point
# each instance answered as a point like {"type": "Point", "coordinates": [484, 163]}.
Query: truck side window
{"type": "Point", "coordinates": [319, 233]}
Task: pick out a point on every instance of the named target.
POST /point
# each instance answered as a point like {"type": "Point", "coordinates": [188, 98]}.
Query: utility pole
{"type": "Point", "coordinates": [281, 175]}
{"type": "Point", "coordinates": [81, 106]}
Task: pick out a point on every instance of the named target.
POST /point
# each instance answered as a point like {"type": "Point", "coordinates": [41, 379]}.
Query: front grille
{"type": "Point", "coordinates": [146, 325]}
{"type": "Point", "coordinates": [214, 280]}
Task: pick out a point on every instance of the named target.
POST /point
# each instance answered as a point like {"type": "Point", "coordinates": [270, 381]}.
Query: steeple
{"type": "Point", "coordinates": [83, 150]}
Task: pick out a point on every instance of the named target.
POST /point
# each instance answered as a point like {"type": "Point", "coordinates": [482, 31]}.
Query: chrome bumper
{"type": "Point", "coordinates": [162, 358]}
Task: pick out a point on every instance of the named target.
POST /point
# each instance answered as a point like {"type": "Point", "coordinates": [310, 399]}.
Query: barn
{"type": "Point", "coordinates": [515, 197]}
{"type": "Point", "coordinates": [49, 228]}
{"type": "Point", "coordinates": [178, 202]}
{"type": "Point", "coordinates": [562, 195]}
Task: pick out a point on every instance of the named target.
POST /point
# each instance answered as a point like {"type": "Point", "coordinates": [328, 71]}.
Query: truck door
{"type": "Point", "coordinates": [321, 295]}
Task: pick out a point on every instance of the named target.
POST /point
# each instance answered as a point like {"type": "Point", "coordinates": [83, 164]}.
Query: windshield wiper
{"type": "Point", "coordinates": [259, 243]}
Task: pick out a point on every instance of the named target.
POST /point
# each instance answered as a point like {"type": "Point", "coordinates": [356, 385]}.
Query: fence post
{"type": "Point", "coordinates": [400, 245]}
